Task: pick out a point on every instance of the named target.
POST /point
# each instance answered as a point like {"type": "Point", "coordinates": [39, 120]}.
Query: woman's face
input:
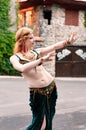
{"type": "Point", "coordinates": [30, 42]}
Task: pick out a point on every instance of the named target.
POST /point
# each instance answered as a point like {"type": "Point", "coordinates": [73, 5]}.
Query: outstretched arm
{"type": "Point", "coordinates": [46, 50]}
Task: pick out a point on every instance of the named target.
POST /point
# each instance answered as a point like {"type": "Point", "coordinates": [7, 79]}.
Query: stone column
{"type": "Point", "coordinates": [13, 15]}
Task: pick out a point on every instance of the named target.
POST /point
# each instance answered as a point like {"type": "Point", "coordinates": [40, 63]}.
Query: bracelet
{"type": "Point", "coordinates": [41, 61]}
{"type": "Point", "coordinates": [67, 43]}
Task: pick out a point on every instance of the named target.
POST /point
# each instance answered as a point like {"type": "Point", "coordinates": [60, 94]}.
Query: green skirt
{"type": "Point", "coordinates": [42, 105]}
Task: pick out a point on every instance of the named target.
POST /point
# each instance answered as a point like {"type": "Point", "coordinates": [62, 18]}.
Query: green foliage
{"type": "Point", "coordinates": [6, 40]}
{"type": "Point", "coordinates": [4, 14]}
{"type": "Point", "coordinates": [6, 47]}
{"type": "Point", "coordinates": [85, 18]}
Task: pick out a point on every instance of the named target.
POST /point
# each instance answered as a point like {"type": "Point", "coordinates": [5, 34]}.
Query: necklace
{"type": "Point", "coordinates": [31, 57]}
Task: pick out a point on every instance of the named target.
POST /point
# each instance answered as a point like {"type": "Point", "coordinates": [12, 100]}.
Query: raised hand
{"type": "Point", "coordinates": [72, 37]}
{"type": "Point", "coordinates": [48, 57]}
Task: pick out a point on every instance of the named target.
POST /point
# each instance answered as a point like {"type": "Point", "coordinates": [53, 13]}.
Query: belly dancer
{"type": "Point", "coordinates": [42, 87]}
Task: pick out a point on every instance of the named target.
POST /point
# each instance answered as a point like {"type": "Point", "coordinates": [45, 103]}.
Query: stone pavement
{"type": "Point", "coordinates": [15, 113]}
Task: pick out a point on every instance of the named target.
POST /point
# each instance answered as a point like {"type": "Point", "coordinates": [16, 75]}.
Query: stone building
{"type": "Point", "coordinates": [55, 20]}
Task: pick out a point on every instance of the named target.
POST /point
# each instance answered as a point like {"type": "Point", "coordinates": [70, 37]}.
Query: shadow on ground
{"type": "Point", "coordinates": [67, 121]}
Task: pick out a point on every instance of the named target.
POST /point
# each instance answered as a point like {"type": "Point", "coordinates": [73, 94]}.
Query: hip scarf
{"type": "Point", "coordinates": [42, 103]}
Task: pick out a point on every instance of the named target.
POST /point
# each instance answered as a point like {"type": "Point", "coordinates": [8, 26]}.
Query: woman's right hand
{"type": "Point", "coordinates": [48, 57]}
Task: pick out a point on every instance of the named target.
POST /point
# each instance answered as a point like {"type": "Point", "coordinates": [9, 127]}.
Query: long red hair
{"type": "Point", "coordinates": [21, 36]}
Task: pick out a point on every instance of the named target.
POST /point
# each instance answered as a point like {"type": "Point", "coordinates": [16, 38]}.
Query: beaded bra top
{"type": "Point", "coordinates": [22, 61]}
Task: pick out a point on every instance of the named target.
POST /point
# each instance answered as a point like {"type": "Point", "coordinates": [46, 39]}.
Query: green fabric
{"type": "Point", "coordinates": [42, 105]}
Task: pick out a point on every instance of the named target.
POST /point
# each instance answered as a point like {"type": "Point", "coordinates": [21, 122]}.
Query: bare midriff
{"type": "Point", "coordinates": [38, 77]}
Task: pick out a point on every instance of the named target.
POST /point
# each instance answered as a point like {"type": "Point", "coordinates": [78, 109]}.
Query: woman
{"type": "Point", "coordinates": [43, 92]}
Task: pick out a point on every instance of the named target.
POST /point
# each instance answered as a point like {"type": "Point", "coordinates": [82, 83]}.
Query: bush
{"type": "Point", "coordinates": [85, 19]}
{"type": "Point", "coordinates": [6, 40]}
{"type": "Point", "coordinates": [6, 49]}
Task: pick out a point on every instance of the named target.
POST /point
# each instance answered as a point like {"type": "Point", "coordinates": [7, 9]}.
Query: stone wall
{"type": "Point", "coordinates": [13, 15]}
{"type": "Point", "coordinates": [54, 32]}
{"type": "Point", "coordinates": [58, 31]}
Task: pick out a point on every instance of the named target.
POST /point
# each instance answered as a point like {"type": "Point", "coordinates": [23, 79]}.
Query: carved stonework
{"type": "Point", "coordinates": [62, 54]}
{"type": "Point", "coordinates": [81, 53]}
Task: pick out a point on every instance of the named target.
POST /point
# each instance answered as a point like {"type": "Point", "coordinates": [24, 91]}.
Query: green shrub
{"type": "Point", "coordinates": [6, 49]}
{"type": "Point", "coordinates": [85, 19]}
{"type": "Point", "coordinates": [4, 14]}
{"type": "Point", "coordinates": [6, 40]}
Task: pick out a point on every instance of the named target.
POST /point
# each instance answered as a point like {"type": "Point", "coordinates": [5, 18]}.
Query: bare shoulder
{"type": "Point", "coordinates": [13, 58]}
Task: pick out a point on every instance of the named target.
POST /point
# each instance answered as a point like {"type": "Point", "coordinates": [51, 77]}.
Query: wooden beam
{"type": "Point", "coordinates": [74, 4]}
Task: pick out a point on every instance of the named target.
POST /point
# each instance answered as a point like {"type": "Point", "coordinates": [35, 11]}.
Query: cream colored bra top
{"type": "Point", "coordinates": [22, 61]}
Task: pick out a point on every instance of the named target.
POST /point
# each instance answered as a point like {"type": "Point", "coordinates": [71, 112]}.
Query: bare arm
{"type": "Point", "coordinates": [46, 50]}
{"type": "Point", "coordinates": [23, 67]}
{"type": "Point", "coordinates": [30, 65]}
{"type": "Point", "coordinates": [61, 44]}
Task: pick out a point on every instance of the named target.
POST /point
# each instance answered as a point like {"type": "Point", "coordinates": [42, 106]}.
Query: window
{"type": "Point", "coordinates": [71, 17]}
{"type": "Point", "coordinates": [25, 17]}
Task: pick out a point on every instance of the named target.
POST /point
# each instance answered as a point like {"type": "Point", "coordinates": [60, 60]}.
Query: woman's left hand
{"type": "Point", "coordinates": [72, 37]}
